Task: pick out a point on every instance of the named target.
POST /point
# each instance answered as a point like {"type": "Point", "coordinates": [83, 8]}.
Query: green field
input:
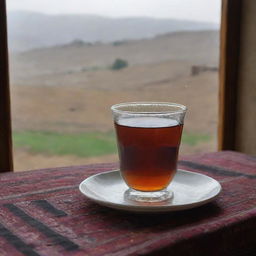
{"type": "Point", "coordinates": [193, 139]}
{"type": "Point", "coordinates": [80, 144]}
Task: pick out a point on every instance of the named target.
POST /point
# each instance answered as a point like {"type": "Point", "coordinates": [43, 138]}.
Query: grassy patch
{"type": "Point", "coordinates": [193, 139]}
{"type": "Point", "coordinates": [83, 144]}
{"type": "Point", "coordinates": [80, 144]}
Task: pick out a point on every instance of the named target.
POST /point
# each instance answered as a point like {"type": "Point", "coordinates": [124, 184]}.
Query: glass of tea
{"type": "Point", "coordinates": [148, 139]}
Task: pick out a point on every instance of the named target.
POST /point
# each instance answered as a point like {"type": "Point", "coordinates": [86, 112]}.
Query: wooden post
{"type": "Point", "coordinates": [229, 61]}
{"type": "Point", "coordinates": [6, 161]}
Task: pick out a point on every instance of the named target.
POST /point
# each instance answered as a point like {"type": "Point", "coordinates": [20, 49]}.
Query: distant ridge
{"type": "Point", "coordinates": [28, 30]}
{"type": "Point", "coordinates": [77, 59]}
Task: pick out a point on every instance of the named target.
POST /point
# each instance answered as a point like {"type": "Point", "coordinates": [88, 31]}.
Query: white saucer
{"type": "Point", "coordinates": [190, 190]}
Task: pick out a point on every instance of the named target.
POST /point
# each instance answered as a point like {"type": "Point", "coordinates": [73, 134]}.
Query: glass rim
{"type": "Point", "coordinates": [181, 108]}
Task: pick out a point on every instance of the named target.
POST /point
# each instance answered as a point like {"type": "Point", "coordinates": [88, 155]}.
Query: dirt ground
{"type": "Point", "coordinates": [86, 106]}
{"type": "Point", "coordinates": [71, 89]}
{"type": "Point", "coordinates": [80, 109]}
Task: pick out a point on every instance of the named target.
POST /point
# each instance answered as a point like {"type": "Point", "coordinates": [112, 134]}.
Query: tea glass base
{"type": "Point", "coordinates": [140, 196]}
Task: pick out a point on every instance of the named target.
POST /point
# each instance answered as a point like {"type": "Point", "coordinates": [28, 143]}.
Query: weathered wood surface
{"type": "Point", "coordinates": [43, 213]}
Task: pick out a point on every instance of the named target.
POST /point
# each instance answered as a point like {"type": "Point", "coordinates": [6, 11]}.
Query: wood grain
{"type": "Point", "coordinates": [246, 104]}
{"type": "Point", "coordinates": [229, 62]}
{"type": "Point", "coordinates": [6, 161]}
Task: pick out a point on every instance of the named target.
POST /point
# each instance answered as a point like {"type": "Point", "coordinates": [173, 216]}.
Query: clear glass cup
{"type": "Point", "coordinates": [148, 139]}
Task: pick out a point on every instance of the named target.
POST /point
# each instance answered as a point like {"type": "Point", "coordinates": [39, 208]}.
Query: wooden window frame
{"type": "Point", "coordinates": [6, 158]}
{"type": "Point", "coordinates": [228, 77]}
{"type": "Point", "coordinates": [229, 58]}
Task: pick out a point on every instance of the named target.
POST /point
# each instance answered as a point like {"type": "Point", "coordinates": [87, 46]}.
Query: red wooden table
{"type": "Point", "coordinates": [43, 213]}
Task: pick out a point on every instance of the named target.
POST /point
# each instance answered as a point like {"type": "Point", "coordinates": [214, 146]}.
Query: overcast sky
{"type": "Point", "coordinates": [202, 10]}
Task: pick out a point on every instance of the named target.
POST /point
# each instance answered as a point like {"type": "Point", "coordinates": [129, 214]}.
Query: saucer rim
{"type": "Point", "coordinates": [152, 208]}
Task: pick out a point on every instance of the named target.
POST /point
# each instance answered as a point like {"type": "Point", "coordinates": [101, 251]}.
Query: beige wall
{"type": "Point", "coordinates": [246, 108]}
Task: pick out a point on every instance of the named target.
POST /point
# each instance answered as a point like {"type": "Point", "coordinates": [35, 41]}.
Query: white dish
{"type": "Point", "coordinates": [190, 190]}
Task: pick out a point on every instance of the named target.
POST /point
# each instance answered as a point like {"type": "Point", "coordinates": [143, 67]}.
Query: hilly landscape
{"type": "Point", "coordinates": [28, 30]}
{"type": "Point", "coordinates": [61, 94]}
{"type": "Point", "coordinates": [75, 60]}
